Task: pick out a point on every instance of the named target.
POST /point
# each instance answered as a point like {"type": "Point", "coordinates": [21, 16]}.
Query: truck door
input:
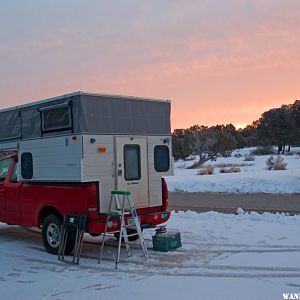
{"type": "Point", "coordinates": [4, 168]}
{"type": "Point", "coordinates": [13, 195]}
{"type": "Point", "coordinates": [132, 168]}
{"type": "Point", "coordinates": [2, 200]}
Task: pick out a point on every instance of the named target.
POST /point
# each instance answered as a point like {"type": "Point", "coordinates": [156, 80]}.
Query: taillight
{"type": "Point", "coordinates": [165, 194]}
{"type": "Point", "coordinates": [92, 201]}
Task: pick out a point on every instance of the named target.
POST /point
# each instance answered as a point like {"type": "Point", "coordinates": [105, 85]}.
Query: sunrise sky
{"type": "Point", "coordinates": [218, 61]}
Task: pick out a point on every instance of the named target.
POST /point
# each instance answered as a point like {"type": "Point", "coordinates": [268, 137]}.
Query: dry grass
{"type": "Point", "coordinates": [207, 170]}
{"type": "Point", "coordinates": [230, 170]}
{"type": "Point", "coordinates": [275, 164]}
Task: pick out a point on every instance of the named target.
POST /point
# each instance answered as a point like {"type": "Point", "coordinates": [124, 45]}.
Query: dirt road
{"type": "Point", "coordinates": [228, 203]}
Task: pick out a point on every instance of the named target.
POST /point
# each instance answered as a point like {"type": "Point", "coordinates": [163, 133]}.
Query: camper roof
{"type": "Point", "coordinates": [86, 113]}
{"type": "Point", "coordinates": [36, 102]}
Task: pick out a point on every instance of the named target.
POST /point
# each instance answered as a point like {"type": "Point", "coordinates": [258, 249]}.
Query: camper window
{"type": "Point", "coordinates": [4, 166]}
{"type": "Point", "coordinates": [56, 118]}
{"type": "Point", "coordinates": [132, 162]}
{"type": "Point", "coordinates": [161, 158]}
{"type": "Point", "coordinates": [26, 165]}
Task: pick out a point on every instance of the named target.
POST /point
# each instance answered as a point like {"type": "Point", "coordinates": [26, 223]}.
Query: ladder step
{"type": "Point", "coordinates": [132, 234]}
{"type": "Point", "coordinates": [124, 193]}
{"type": "Point", "coordinates": [112, 213]}
{"type": "Point", "coordinates": [130, 227]}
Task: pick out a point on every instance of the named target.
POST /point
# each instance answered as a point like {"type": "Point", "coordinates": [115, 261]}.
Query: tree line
{"type": "Point", "coordinates": [277, 126]}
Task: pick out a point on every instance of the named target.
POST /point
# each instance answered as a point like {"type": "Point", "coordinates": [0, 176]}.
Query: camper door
{"type": "Point", "coordinates": [132, 168]}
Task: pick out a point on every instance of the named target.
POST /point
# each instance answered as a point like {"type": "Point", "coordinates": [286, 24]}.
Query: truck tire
{"type": "Point", "coordinates": [51, 235]}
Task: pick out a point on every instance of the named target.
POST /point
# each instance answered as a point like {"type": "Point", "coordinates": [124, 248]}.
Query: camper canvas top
{"type": "Point", "coordinates": [86, 113]}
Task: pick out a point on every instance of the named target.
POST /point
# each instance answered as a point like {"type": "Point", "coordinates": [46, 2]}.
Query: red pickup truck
{"type": "Point", "coordinates": [44, 205]}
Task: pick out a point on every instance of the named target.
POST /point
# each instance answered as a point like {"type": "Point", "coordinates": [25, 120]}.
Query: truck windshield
{"type": "Point", "coordinates": [4, 166]}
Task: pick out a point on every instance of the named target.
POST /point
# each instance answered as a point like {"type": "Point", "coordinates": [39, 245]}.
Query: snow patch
{"type": "Point", "coordinates": [244, 256]}
{"type": "Point", "coordinates": [253, 178]}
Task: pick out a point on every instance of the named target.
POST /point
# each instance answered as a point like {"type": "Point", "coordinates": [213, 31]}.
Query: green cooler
{"type": "Point", "coordinates": [166, 241]}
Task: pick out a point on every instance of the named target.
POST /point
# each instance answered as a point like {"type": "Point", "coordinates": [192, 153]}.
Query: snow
{"type": "Point", "coordinates": [243, 256]}
{"type": "Point", "coordinates": [253, 178]}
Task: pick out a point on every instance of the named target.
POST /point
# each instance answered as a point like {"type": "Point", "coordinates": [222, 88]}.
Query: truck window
{"type": "Point", "coordinates": [56, 118]}
{"type": "Point", "coordinates": [161, 158]}
{"type": "Point", "coordinates": [26, 165]}
{"type": "Point", "coordinates": [4, 166]}
{"type": "Point", "coordinates": [132, 162]}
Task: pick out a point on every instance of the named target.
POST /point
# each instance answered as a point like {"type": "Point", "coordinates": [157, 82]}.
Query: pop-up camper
{"type": "Point", "coordinates": [81, 140]}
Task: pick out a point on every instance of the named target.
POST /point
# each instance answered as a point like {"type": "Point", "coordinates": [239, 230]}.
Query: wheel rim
{"type": "Point", "coordinates": [53, 235]}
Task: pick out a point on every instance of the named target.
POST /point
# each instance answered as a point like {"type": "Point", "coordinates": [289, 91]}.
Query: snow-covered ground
{"type": "Point", "coordinates": [253, 178]}
{"type": "Point", "coordinates": [245, 256]}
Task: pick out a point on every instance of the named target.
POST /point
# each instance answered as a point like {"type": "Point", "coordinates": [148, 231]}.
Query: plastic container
{"type": "Point", "coordinates": [166, 241]}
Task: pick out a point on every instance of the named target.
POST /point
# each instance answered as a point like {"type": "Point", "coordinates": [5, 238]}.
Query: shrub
{"type": "Point", "coordinates": [275, 164]}
{"type": "Point", "coordinates": [249, 157]}
{"type": "Point", "coordinates": [235, 170]}
{"type": "Point", "coordinates": [227, 153]}
{"type": "Point", "coordinates": [230, 170]}
{"type": "Point", "coordinates": [223, 170]}
{"type": "Point", "coordinates": [263, 151]}
{"type": "Point", "coordinates": [270, 163]}
{"type": "Point", "coordinates": [207, 170]}
{"type": "Point", "coordinates": [279, 163]}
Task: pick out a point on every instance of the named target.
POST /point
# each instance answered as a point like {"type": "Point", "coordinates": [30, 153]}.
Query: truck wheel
{"type": "Point", "coordinates": [51, 235]}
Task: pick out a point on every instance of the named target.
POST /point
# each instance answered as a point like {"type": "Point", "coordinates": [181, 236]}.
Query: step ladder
{"type": "Point", "coordinates": [120, 213]}
{"type": "Point", "coordinates": [74, 225]}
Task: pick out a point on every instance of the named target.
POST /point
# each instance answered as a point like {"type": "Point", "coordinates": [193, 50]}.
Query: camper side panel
{"type": "Point", "coordinates": [98, 165]}
{"type": "Point", "coordinates": [55, 159]}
